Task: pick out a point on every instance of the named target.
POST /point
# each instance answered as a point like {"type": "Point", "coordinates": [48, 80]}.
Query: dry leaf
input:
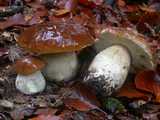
{"type": "Point", "coordinates": [130, 91]}
{"type": "Point", "coordinates": [71, 5]}
{"type": "Point", "coordinates": [3, 2]}
{"type": "Point", "coordinates": [3, 51]}
{"type": "Point", "coordinates": [20, 113]}
{"type": "Point", "coordinates": [146, 80]}
{"type": "Point", "coordinates": [46, 117]}
{"type": "Point", "coordinates": [146, 20]}
{"type": "Point", "coordinates": [17, 19]}
{"type": "Point", "coordinates": [121, 3]}
{"type": "Point", "coordinates": [80, 91]}
{"type": "Point", "coordinates": [46, 111]}
{"type": "Point", "coordinates": [61, 12]}
{"type": "Point", "coordinates": [79, 105]}
{"type": "Point", "coordinates": [87, 3]}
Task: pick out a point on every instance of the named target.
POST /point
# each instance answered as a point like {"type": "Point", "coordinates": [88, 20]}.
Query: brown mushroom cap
{"type": "Point", "coordinates": [55, 37]}
{"type": "Point", "coordinates": [28, 65]}
{"type": "Point", "coordinates": [140, 51]}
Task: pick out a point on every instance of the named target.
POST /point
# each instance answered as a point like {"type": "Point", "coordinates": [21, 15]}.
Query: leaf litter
{"type": "Point", "coordinates": [134, 101]}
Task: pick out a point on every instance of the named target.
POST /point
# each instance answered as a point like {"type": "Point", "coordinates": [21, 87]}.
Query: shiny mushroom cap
{"type": "Point", "coordinates": [56, 37]}
{"type": "Point", "coordinates": [140, 51]}
{"type": "Point", "coordinates": [28, 65]}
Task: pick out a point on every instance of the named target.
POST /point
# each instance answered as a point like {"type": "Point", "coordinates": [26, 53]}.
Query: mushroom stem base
{"type": "Point", "coordinates": [30, 84]}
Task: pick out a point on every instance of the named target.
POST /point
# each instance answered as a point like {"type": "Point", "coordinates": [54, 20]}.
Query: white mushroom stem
{"type": "Point", "coordinates": [30, 84]}
{"type": "Point", "coordinates": [108, 70]}
{"type": "Point", "coordinates": [60, 67]}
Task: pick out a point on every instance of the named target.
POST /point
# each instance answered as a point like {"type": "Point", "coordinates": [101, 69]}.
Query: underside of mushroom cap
{"type": "Point", "coordinates": [139, 49]}
{"type": "Point", "coordinates": [55, 37]}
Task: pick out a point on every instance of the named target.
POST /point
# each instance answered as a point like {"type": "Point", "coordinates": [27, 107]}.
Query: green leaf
{"type": "Point", "coordinates": [113, 105]}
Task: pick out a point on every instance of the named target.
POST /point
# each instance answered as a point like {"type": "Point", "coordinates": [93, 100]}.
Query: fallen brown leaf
{"type": "Point", "coordinates": [146, 80]}
{"type": "Point", "coordinates": [145, 21]}
{"type": "Point", "coordinates": [46, 117]}
{"type": "Point", "coordinates": [79, 105]}
{"type": "Point", "coordinates": [71, 5]}
{"type": "Point", "coordinates": [20, 113]}
{"type": "Point", "coordinates": [46, 111]}
{"type": "Point", "coordinates": [3, 51]}
{"type": "Point", "coordinates": [80, 91]}
{"type": "Point", "coordinates": [61, 12]}
{"type": "Point", "coordinates": [88, 3]}
{"type": "Point", "coordinates": [3, 2]}
{"type": "Point", "coordinates": [130, 91]}
{"type": "Point", "coordinates": [17, 19]}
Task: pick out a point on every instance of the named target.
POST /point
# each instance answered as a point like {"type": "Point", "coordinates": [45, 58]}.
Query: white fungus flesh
{"type": "Point", "coordinates": [108, 70]}
{"type": "Point", "coordinates": [60, 67]}
{"type": "Point", "coordinates": [30, 84]}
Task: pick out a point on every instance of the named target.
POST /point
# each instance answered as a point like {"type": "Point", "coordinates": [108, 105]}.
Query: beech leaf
{"type": "Point", "coordinates": [146, 80]}
{"type": "Point", "coordinates": [79, 105]}
{"type": "Point", "coordinates": [61, 12]}
{"type": "Point", "coordinates": [130, 91]}
{"type": "Point", "coordinates": [46, 117]}
{"type": "Point", "coordinates": [17, 19]}
{"type": "Point", "coordinates": [3, 51]}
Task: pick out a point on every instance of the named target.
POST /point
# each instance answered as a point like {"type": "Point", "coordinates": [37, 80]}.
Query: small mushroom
{"type": "Point", "coordinates": [119, 49]}
{"type": "Point", "coordinates": [139, 49]}
{"type": "Point", "coordinates": [108, 70]}
{"type": "Point", "coordinates": [29, 79]}
{"type": "Point", "coordinates": [57, 42]}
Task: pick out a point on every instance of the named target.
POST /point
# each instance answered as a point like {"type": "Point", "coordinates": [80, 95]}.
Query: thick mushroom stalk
{"type": "Point", "coordinates": [30, 84]}
{"type": "Point", "coordinates": [29, 79]}
{"type": "Point", "coordinates": [60, 67]}
{"type": "Point", "coordinates": [108, 70]}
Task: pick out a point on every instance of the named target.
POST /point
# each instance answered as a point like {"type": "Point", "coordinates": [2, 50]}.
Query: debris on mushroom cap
{"type": "Point", "coordinates": [108, 70]}
{"type": "Point", "coordinates": [140, 50]}
{"type": "Point", "coordinates": [28, 65]}
{"type": "Point", "coordinates": [55, 37]}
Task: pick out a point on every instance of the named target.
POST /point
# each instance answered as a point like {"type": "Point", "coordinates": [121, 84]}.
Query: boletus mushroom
{"type": "Point", "coordinates": [29, 79]}
{"type": "Point", "coordinates": [119, 49]}
{"type": "Point", "coordinates": [56, 43]}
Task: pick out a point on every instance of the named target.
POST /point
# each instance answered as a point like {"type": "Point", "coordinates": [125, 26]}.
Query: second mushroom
{"type": "Point", "coordinates": [29, 79]}
{"type": "Point", "coordinates": [120, 51]}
